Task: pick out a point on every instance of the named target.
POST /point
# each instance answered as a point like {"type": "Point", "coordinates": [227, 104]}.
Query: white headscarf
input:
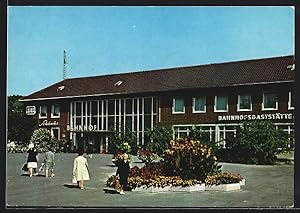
{"type": "Point", "coordinates": [31, 146]}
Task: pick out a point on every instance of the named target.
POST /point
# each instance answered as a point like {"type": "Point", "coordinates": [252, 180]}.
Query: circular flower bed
{"type": "Point", "coordinates": [185, 163]}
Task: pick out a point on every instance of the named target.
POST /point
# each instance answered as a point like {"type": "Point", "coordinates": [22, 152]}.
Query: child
{"type": "Point", "coordinates": [49, 163]}
{"type": "Point", "coordinates": [123, 172]}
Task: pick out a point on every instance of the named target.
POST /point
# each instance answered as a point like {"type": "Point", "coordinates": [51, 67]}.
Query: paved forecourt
{"type": "Point", "coordinates": [266, 186]}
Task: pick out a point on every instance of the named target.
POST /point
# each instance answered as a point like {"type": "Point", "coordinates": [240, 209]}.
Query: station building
{"type": "Point", "coordinates": [215, 98]}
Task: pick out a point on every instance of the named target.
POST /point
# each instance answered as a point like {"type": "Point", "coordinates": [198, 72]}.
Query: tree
{"type": "Point", "coordinates": [256, 142]}
{"type": "Point", "coordinates": [20, 126]}
{"type": "Point", "coordinates": [123, 141]}
{"type": "Point", "coordinates": [160, 138]}
{"type": "Point", "coordinates": [42, 139]}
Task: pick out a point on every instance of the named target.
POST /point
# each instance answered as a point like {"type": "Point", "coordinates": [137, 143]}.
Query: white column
{"type": "Point", "coordinates": [106, 125]}
{"type": "Point", "coordinates": [143, 121]}
{"type": "Point", "coordinates": [102, 115]}
{"type": "Point", "coordinates": [98, 115]}
{"type": "Point", "coordinates": [138, 121]}
{"type": "Point", "coordinates": [120, 114]}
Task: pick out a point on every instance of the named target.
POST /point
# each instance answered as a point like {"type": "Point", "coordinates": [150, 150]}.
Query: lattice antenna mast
{"type": "Point", "coordinates": [65, 65]}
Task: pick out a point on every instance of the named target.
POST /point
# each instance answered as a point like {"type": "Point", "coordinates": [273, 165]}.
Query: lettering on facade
{"type": "Point", "coordinates": [48, 123]}
{"type": "Point", "coordinates": [87, 128]}
{"type": "Point", "coordinates": [274, 116]}
{"type": "Point", "coordinates": [30, 110]}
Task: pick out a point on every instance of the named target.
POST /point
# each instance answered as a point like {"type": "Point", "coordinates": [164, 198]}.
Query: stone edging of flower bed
{"type": "Point", "coordinates": [195, 188]}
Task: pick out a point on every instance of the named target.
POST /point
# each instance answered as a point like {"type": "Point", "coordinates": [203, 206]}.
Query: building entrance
{"type": "Point", "coordinates": [98, 141]}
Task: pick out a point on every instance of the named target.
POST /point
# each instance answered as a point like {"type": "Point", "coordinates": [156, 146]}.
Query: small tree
{"type": "Point", "coordinates": [160, 138]}
{"type": "Point", "coordinates": [42, 138]}
{"type": "Point", "coordinates": [199, 135]}
{"type": "Point", "coordinates": [256, 142]}
{"type": "Point", "coordinates": [124, 142]}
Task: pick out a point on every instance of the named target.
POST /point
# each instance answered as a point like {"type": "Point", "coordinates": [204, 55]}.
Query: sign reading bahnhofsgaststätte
{"type": "Point", "coordinates": [270, 116]}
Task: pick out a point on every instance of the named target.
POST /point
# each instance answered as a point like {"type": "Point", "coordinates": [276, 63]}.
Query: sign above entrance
{"type": "Point", "coordinates": [273, 116]}
{"type": "Point", "coordinates": [88, 128]}
{"type": "Point", "coordinates": [48, 123]}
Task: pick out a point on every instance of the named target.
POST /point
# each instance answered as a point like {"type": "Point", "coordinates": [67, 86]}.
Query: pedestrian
{"type": "Point", "coordinates": [90, 150]}
{"type": "Point", "coordinates": [123, 172]}
{"type": "Point", "coordinates": [49, 163]}
{"type": "Point", "coordinates": [31, 159]}
{"type": "Point", "coordinates": [80, 169]}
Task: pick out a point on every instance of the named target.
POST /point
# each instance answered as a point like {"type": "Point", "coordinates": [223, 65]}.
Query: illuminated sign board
{"type": "Point", "coordinates": [30, 110]}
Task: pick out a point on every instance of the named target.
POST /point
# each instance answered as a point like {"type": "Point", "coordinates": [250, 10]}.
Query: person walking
{"type": "Point", "coordinates": [49, 163]}
{"type": "Point", "coordinates": [80, 170]}
{"type": "Point", "coordinates": [90, 150]}
{"type": "Point", "coordinates": [31, 159]}
{"type": "Point", "coordinates": [123, 172]}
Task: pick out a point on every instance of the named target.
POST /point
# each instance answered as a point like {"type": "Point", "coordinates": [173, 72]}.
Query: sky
{"type": "Point", "coordinates": [106, 40]}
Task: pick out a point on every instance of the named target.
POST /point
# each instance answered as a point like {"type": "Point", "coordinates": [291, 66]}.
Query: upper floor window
{"type": "Point", "coordinates": [43, 112]}
{"type": "Point", "coordinates": [221, 103]}
{"type": "Point", "coordinates": [291, 104]}
{"type": "Point", "coordinates": [178, 105]}
{"type": "Point", "coordinates": [269, 101]}
{"type": "Point", "coordinates": [244, 103]}
{"type": "Point", "coordinates": [199, 104]}
{"type": "Point", "coordinates": [55, 111]}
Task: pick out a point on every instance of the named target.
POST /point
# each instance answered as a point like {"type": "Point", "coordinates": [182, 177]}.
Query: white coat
{"type": "Point", "coordinates": [80, 169]}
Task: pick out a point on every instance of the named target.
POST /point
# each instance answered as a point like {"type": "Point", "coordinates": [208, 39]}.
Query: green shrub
{"type": "Point", "coordinates": [204, 137]}
{"type": "Point", "coordinates": [190, 159]}
{"type": "Point", "coordinates": [160, 138]}
{"type": "Point", "coordinates": [124, 142]}
{"type": "Point", "coordinates": [256, 142]}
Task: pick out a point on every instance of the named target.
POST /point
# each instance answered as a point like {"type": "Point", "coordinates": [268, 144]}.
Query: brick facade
{"type": "Point", "coordinates": [166, 101]}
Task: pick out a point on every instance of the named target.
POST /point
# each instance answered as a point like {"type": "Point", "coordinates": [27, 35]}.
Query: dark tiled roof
{"type": "Point", "coordinates": [267, 70]}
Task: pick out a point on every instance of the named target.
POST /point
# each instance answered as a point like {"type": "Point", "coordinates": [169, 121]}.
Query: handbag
{"type": "Point", "coordinates": [24, 167]}
{"type": "Point", "coordinates": [42, 168]}
{"type": "Point", "coordinates": [74, 179]}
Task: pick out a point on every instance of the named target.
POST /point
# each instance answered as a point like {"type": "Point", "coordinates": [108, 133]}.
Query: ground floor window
{"type": "Point", "coordinates": [288, 128]}
{"type": "Point", "coordinates": [220, 133]}
{"type": "Point", "coordinates": [122, 114]}
{"type": "Point", "coordinates": [55, 132]}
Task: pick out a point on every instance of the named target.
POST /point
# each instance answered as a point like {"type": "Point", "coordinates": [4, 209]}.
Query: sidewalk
{"type": "Point", "coordinates": [266, 186]}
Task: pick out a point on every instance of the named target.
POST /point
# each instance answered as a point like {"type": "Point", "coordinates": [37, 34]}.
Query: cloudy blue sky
{"type": "Point", "coordinates": [108, 40]}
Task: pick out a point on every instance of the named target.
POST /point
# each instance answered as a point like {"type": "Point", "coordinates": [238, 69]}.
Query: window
{"type": "Point", "coordinates": [291, 104]}
{"type": "Point", "coordinates": [269, 101]}
{"type": "Point", "coordinates": [199, 104]}
{"type": "Point", "coordinates": [221, 103]}
{"type": "Point", "coordinates": [43, 112]}
{"type": "Point", "coordinates": [178, 106]}
{"type": "Point", "coordinates": [244, 103]}
{"type": "Point", "coordinates": [55, 132]}
{"type": "Point", "coordinates": [55, 111]}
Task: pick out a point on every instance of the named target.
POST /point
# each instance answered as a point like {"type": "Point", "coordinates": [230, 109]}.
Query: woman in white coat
{"type": "Point", "coordinates": [80, 170]}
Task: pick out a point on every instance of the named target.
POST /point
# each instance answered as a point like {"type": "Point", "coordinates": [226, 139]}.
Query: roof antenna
{"type": "Point", "coordinates": [65, 65]}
